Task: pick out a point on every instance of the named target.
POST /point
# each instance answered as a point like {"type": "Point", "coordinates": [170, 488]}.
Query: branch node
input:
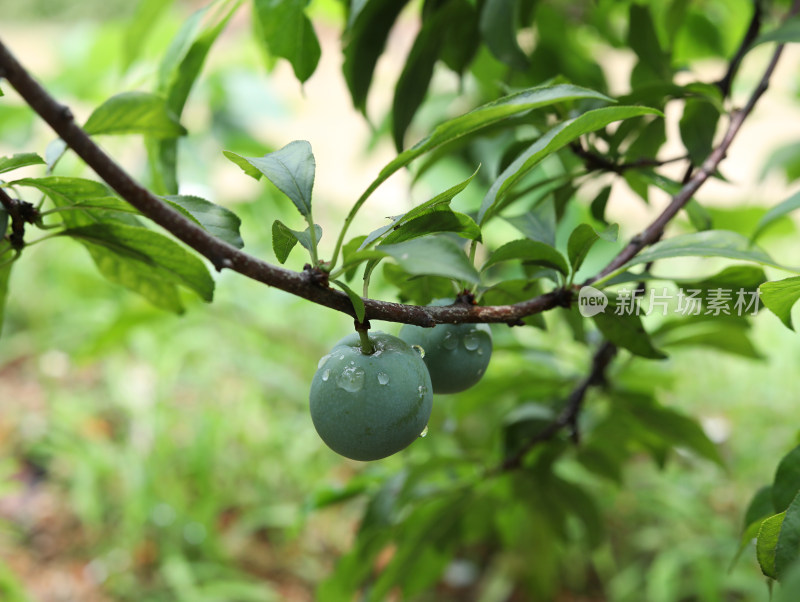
{"type": "Point", "coordinates": [316, 276]}
{"type": "Point", "coordinates": [66, 113]}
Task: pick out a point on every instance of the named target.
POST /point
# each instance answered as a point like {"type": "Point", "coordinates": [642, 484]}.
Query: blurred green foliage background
{"type": "Point", "coordinates": [150, 457]}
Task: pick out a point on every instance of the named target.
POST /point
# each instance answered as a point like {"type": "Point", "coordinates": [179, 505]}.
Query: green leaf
{"type": "Point", "coordinates": [672, 426]}
{"type": "Point", "coordinates": [436, 220]}
{"type": "Point", "coordinates": [711, 243]}
{"type": "Point", "coordinates": [523, 423]}
{"type": "Point", "coordinates": [723, 337]}
{"type": "Point", "coordinates": [291, 169]}
{"type": "Point", "coordinates": [776, 212]}
{"type": "Point", "coordinates": [498, 27]}
{"type": "Point", "coordinates": [626, 330]}
{"type": "Point", "coordinates": [779, 297]}
{"type": "Point", "coordinates": [367, 30]}
{"type": "Point", "coordinates": [135, 113]}
{"type": "Point", "coordinates": [760, 506]}
{"type": "Point", "coordinates": [440, 202]}
{"type": "Point", "coordinates": [766, 542]}
{"type": "Point", "coordinates": [284, 239]}
{"type": "Point", "coordinates": [643, 40]}
{"type": "Point", "coordinates": [598, 206]}
{"type": "Point", "coordinates": [581, 241]}
{"type": "Point", "coordinates": [287, 32]}
{"type": "Point", "coordinates": [539, 223]}
{"type": "Point", "coordinates": [484, 116]}
{"type": "Point", "coordinates": [786, 32]}
{"type": "Point", "coordinates": [418, 70]}
{"type": "Point", "coordinates": [177, 74]}
{"type": "Point", "coordinates": [140, 26]}
{"type": "Point", "coordinates": [787, 549]}
{"type": "Point", "coordinates": [219, 221]}
{"type": "Point", "coordinates": [529, 251]}
{"type": "Point", "coordinates": [358, 302]}
{"type": "Point", "coordinates": [77, 192]}
{"type": "Point", "coordinates": [786, 484]}
{"type": "Point", "coordinates": [554, 140]}
{"type": "Point", "coordinates": [243, 163]}
{"type": "Point", "coordinates": [139, 259]}
{"type": "Point", "coordinates": [19, 160]}
{"type": "Point", "coordinates": [434, 256]}
{"type": "Point", "coordinates": [698, 126]}
{"type": "Point", "coordinates": [5, 274]}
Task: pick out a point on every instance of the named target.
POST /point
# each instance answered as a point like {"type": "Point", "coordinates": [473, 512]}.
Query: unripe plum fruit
{"type": "Point", "coordinates": [456, 354]}
{"type": "Point", "coordinates": [367, 407]}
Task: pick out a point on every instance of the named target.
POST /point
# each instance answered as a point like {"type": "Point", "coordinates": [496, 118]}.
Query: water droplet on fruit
{"type": "Point", "coordinates": [326, 375]}
{"type": "Point", "coordinates": [383, 378]}
{"type": "Point", "coordinates": [422, 389]}
{"type": "Point", "coordinates": [480, 351]}
{"type": "Point", "coordinates": [471, 341]}
{"type": "Point", "coordinates": [322, 361]}
{"type": "Point", "coordinates": [341, 357]}
{"type": "Point", "coordinates": [424, 432]}
{"type": "Point", "coordinates": [419, 350]}
{"type": "Point", "coordinates": [351, 379]}
{"type": "Point", "coordinates": [449, 341]}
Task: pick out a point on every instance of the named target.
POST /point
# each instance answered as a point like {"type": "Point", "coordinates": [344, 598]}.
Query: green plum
{"type": "Point", "coordinates": [367, 407]}
{"type": "Point", "coordinates": [456, 354]}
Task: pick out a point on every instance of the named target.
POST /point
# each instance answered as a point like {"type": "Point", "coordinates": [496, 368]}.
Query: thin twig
{"type": "Point", "coordinates": [569, 413]}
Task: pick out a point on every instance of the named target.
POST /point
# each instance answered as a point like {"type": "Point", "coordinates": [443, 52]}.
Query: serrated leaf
{"type": "Point", "coordinates": [786, 484]}
{"type": "Point", "coordinates": [538, 224]}
{"type": "Point", "coordinates": [779, 297]}
{"type": "Point", "coordinates": [766, 542]}
{"type": "Point", "coordinates": [711, 243]}
{"type": "Point", "coordinates": [19, 160]}
{"type": "Point", "coordinates": [498, 27]}
{"type": "Point", "coordinates": [135, 113]}
{"type": "Point", "coordinates": [287, 32]}
{"type": "Point", "coordinates": [284, 239]}
{"type": "Point", "coordinates": [580, 242]}
{"type": "Point", "coordinates": [219, 221]}
{"type": "Point", "coordinates": [243, 163]}
{"type": "Point", "coordinates": [555, 139]}
{"type": "Point", "coordinates": [291, 169]}
{"type": "Point", "coordinates": [787, 549]}
{"type": "Point", "coordinates": [432, 256]}
{"type": "Point", "coordinates": [484, 116]}
{"type": "Point", "coordinates": [529, 251]}
{"type": "Point", "coordinates": [355, 299]}
{"type": "Point", "coordinates": [626, 331]}
{"type": "Point", "coordinates": [137, 258]}
{"type": "Point", "coordinates": [435, 221]}
{"type": "Point", "coordinates": [440, 201]}
{"type": "Point", "coordinates": [775, 213]}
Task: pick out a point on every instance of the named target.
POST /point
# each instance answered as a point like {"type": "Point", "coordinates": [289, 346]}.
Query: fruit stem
{"type": "Point", "coordinates": [362, 328]}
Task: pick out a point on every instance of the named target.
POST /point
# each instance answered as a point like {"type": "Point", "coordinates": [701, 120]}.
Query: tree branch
{"type": "Point", "coordinates": [572, 407]}
{"type": "Point", "coordinates": [655, 230]}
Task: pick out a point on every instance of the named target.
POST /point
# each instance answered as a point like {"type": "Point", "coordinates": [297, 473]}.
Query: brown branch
{"type": "Point", "coordinates": [222, 255]}
{"type": "Point", "coordinates": [750, 35]}
{"type": "Point", "coordinates": [655, 230]}
{"type": "Point", "coordinates": [569, 413]}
